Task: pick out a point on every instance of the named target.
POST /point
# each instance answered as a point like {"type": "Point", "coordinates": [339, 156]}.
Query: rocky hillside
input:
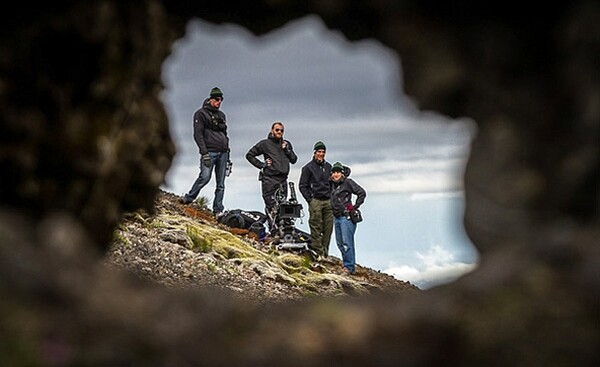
{"type": "Point", "coordinates": [183, 246]}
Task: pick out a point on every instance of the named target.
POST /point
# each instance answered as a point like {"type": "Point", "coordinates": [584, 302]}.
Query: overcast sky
{"type": "Point", "coordinates": [323, 87]}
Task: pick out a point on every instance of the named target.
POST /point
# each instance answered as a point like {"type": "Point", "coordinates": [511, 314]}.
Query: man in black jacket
{"type": "Point", "coordinates": [277, 154]}
{"type": "Point", "coordinates": [210, 134]}
{"type": "Point", "coordinates": [314, 187]}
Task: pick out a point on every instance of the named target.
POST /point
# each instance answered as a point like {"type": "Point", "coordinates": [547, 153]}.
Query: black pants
{"type": "Point", "coordinates": [270, 185]}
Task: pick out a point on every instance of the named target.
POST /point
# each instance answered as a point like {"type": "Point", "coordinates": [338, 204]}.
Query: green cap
{"type": "Point", "coordinates": [216, 92]}
{"type": "Point", "coordinates": [319, 145]}
{"type": "Point", "coordinates": [337, 167]}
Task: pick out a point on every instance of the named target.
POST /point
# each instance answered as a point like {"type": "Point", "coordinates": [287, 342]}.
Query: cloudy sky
{"type": "Point", "coordinates": [323, 87]}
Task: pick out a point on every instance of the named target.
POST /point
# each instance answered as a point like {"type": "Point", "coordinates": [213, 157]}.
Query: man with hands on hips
{"type": "Point", "coordinates": [278, 154]}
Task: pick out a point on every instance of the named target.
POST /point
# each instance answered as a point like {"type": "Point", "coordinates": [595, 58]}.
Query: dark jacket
{"type": "Point", "coordinates": [341, 195]}
{"type": "Point", "coordinates": [271, 148]}
{"type": "Point", "coordinates": [210, 129]}
{"type": "Point", "coordinates": [314, 180]}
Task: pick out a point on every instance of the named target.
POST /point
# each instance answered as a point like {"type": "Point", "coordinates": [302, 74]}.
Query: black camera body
{"type": "Point", "coordinates": [288, 210]}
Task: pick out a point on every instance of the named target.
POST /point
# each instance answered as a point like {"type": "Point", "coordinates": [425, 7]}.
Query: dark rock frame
{"type": "Point", "coordinates": [84, 138]}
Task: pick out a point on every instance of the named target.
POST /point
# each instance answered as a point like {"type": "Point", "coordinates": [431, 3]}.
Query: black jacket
{"type": "Point", "coordinates": [314, 180]}
{"type": "Point", "coordinates": [341, 195]}
{"type": "Point", "coordinates": [210, 129]}
{"type": "Point", "coordinates": [271, 148]}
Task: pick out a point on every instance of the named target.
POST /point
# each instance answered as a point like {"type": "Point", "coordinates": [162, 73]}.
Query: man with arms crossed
{"type": "Point", "coordinates": [314, 187]}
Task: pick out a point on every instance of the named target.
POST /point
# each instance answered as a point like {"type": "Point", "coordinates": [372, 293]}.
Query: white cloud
{"type": "Point", "coordinates": [437, 267]}
{"type": "Point", "coordinates": [436, 195]}
{"type": "Point", "coordinates": [409, 176]}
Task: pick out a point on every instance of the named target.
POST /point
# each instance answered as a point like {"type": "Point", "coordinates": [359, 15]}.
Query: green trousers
{"type": "Point", "coordinates": [320, 221]}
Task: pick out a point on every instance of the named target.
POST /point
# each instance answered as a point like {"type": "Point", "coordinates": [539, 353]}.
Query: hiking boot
{"type": "Point", "coordinates": [349, 272]}
{"type": "Point", "coordinates": [182, 200]}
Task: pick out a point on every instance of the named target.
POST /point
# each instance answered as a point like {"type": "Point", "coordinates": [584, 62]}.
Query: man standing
{"type": "Point", "coordinates": [210, 134]}
{"type": "Point", "coordinates": [277, 154]}
{"type": "Point", "coordinates": [314, 187]}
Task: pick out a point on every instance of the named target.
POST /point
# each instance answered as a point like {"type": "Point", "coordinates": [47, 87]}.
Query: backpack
{"type": "Point", "coordinates": [251, 220]}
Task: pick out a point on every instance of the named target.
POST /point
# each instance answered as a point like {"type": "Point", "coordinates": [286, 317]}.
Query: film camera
{"type": "Point", "coordinates": [285, 234]}
{"type": "Point", "coordinates": [289, 211]}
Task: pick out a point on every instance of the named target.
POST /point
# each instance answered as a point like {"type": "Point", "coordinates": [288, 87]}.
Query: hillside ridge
{"type": "Point", "coordinates": [183, 246]}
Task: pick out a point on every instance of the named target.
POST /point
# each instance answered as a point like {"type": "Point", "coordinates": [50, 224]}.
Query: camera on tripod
{"type": "Point", "coordinates": [285, 234]}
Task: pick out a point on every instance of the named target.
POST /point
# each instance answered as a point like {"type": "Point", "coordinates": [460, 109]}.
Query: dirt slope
{"type": "Point", "coordinates": [183, 246]}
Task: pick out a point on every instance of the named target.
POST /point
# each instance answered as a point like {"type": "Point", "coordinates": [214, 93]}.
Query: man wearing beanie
{"type": "Point", "coordinates": [342, 188]}
{"type": "Point", "coordinates": [314, 187]}
{"type": "Point", "coordinates": [210, 134]}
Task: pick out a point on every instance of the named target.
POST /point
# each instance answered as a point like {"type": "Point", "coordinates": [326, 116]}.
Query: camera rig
{"type": "Point", "coordinates": [283, 217]}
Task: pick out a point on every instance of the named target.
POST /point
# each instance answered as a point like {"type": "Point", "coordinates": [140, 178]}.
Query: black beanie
{"type": "Point", "coordinates": [319, 145]}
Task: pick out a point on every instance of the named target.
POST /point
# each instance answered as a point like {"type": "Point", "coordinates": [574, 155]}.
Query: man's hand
{"type": "Point", "coordinates": [268, 162]}
{"type": "Point", "coordinates": [206, 160]}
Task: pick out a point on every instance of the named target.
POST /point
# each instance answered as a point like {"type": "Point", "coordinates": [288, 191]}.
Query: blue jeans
{"type": "Point", "coordinates": [219, 163]}
{"type": "Point", "coordinates": [344, 237]}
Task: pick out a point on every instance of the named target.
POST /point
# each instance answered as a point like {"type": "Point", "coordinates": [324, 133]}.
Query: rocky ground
{"type": "Point", "coordinates": [183, 246]}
